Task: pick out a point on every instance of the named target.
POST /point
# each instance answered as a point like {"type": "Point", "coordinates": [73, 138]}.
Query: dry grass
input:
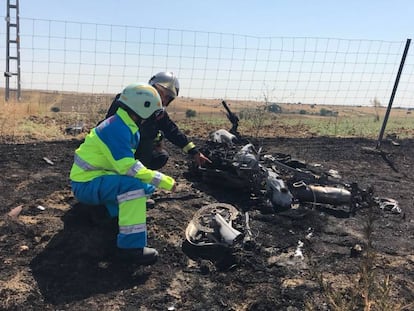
{"type": "Point", "coordinates": [44, 115]}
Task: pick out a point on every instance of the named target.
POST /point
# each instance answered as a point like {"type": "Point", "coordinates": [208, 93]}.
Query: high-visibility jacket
{"type": "Point", "coordinates": [163, 122]}
{"type": "Point", "coordinates": [109, 149]}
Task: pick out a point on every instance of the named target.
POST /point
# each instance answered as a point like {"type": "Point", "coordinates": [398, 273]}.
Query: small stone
{"type": "Point", "coordinates": [356, 250]}
{"type": "Point", "coordinates": [24, 248]}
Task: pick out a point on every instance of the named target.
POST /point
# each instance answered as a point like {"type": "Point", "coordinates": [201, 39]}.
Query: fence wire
{"type": "Point", "coordinates": [70, 56]}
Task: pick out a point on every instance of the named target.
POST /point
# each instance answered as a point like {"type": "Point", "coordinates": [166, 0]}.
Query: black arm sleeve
{"type": "Point", "coordinates": [173, 133]}
{"type": "Point", "coordinates": [114, 107]}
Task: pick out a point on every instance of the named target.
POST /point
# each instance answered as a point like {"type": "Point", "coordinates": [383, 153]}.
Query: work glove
{"type": "Point", "coordinates": [148, 188]}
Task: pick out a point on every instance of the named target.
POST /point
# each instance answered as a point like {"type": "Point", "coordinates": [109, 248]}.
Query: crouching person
{"type": "Point", "coordinates": [105, 171]}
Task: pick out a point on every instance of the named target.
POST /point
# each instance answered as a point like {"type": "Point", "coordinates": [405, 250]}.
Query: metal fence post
{"type": "Point", "coordinates": [384, 123]}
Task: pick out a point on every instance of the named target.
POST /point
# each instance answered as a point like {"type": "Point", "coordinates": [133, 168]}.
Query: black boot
{"type": "Point", "coordinates": [141, 256]}
{"type": "Point", "coordinates": [150, 203]}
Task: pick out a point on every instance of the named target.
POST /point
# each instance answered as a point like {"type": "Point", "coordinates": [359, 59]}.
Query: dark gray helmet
{"type": "Point", "coordinates": [168, 81]}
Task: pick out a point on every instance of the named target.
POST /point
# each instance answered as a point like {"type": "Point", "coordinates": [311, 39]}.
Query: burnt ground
{"type": "Point", "coordinates": [56, 258]}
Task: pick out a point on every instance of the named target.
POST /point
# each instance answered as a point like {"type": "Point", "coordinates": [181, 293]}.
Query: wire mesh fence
{"type": "Point", "coordinates": [69, 56]}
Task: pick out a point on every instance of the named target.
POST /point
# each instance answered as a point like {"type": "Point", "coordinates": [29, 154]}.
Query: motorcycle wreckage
{"type": "Point", "coordinates": [278, 182]}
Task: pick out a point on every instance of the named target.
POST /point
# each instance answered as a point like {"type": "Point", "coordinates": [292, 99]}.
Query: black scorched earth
{"type": "Point", "coordinates": [285, 225]}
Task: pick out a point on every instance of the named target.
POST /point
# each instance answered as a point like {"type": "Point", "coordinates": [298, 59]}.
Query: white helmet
{"type": "Point", "coordinates": [142, 99]}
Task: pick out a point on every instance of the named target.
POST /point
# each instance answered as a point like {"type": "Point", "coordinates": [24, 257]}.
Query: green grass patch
{"type": "Point", "coordinates": [365, 126]}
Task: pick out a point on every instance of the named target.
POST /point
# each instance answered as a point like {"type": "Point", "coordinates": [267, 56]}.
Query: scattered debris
{"type": "Point", "coordinates": [248, 240]}
{"type": "Point", "coordinates": [388, 204]}
{"type": "Point", "coordinates": [298, 252]}
{"type": "Point", "coordinates": [356, 250]}
{"type": "Point", "coordinates": [14, 213]}
{"type": "Point", "coordinates": [24, 248]}
{"type": "Point", "coordinates": [48, 161]}
{"type": "Point", "coordinates": [334, 174]}
{"type": "Point", "coordinates": [75, 129]}
{"type": "Point", "coordinates": [40, 207]}
{"type": "Point", "coordinates": [393, 139]}
{"type": "Point", "coordinates": [310, 234]}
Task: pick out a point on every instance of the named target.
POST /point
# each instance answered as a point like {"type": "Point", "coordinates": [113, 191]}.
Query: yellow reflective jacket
{"type": "Point", "coordinates": [109, 149]}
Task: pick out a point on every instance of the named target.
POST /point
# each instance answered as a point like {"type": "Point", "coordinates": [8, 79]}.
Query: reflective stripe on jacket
{"type": "Point", "coordinates": [162, 123]}
{"type": "Point", "coordinates": [109, 149]}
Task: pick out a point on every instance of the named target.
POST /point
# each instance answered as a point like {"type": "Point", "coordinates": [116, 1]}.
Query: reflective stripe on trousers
{"type": "Point", "coordinates": [132, 219]}
{"type": "Point", "coordinates": [123, 196]}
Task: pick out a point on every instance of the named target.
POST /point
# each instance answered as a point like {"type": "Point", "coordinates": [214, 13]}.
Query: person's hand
{"type": "Point", "coordinates": [200, 159]}
{"type": "Point", "coordinates": [174, 188]}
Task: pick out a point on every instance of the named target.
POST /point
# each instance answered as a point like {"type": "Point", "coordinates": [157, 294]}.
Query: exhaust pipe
{"type": "Point", "coordinates": [227, 232]}
{"type": "Point", "coordinates": [321, 194]}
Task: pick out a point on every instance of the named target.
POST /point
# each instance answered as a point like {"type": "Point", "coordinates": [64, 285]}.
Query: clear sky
{"type": "Point", "coordinates": [332, 51]}
{"type": "Point", "coordinates": [348, 19]}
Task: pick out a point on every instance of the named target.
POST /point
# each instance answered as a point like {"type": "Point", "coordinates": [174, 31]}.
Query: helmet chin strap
{"type": "Point", "coordinates": [136, 118]}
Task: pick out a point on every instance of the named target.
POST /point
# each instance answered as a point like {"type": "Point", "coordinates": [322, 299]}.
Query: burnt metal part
{"type": "Point", "coordinates": [203, 229]}
{"type": "Point", "coordinates": [234, 120]}
{"type": "Point", "coordinates": [317, 187]}
{"type": "Point", "coordinates": [215, 232]}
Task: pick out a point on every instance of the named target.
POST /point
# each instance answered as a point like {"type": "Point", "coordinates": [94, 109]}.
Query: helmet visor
{"type": "Point", "coordinates": [167, 96]}
{"type": "Point", "coordinates": [167, 80]}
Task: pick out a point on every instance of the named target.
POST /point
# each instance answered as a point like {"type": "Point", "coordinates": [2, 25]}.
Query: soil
{"type": "Point", "coordinates": [54, 256]}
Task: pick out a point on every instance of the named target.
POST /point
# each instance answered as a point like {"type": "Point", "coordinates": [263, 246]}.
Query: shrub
{"type": "Point", "coordinates": [275, 108]}
{"type": "Point", "coordinates": [326, 112]}
{"type": "Point", "coordinates": [190, 113]}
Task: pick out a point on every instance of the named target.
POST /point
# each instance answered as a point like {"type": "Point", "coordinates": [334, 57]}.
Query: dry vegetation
{"type": "Point", "coordinates": [27, 117]}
